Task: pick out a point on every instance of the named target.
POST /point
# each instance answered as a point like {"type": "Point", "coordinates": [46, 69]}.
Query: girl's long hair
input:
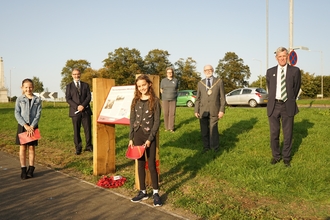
{"type": "Point", "coordinates": [150, 92]}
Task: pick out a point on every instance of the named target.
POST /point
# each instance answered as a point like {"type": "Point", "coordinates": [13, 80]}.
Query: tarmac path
{"type": "Point", "coordinates": [54, 195]}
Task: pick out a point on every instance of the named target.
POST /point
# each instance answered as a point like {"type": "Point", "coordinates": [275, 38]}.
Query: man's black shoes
{"type": "Point", "coordinates": [287, 163]}
{"type": "Point", "coordinates": [89, 149]}
{"type": "Point", "coordinates": [274, 161]}
{"type": "Point", "coordinates": [205, 150]}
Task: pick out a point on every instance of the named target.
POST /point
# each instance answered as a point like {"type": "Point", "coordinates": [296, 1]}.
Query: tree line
{"type": "Point", "coordinates": [123, 64]}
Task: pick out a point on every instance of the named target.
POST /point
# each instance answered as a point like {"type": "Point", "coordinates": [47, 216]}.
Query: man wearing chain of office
{"type": "Point", "coordinates": [209, 108]}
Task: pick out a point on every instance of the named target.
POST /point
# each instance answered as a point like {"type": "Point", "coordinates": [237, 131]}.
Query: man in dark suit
{"type": "Point", "coordinates": [209, 108]}
{"type": "Point", "coordinates": [78, 96]}
{"type": "Point", "coordinates": [283, 82]}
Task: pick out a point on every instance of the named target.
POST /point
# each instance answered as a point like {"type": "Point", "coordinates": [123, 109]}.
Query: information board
{"type": "Point", "coordinates": [116, 108]}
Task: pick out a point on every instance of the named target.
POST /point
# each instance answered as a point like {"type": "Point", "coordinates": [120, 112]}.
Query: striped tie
{"type": "Point", "coordinates": [283, 86]}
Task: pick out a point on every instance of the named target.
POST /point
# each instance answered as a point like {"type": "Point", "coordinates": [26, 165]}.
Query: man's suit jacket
{"type": "Point", "coordinates": [293, 82]}
{"type": "Point", "coordinates": [210, 104]}
{"type": "Point", "coordinates": [74, 99]}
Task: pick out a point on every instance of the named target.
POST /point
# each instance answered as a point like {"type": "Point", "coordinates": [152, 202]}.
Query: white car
{"type": "Point", "coordinates": [247, 96]}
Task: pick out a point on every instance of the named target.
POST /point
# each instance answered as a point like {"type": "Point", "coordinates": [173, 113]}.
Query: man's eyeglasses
{"type": "Point", "coordinates": [206, 70]}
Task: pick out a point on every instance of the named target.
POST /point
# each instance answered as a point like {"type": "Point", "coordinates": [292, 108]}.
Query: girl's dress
{"type": "Point", "coordinates": [21, 129]}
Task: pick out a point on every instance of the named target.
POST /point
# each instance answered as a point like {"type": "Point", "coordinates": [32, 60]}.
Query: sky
{"type": "Point", "coordinates": [37, 37]}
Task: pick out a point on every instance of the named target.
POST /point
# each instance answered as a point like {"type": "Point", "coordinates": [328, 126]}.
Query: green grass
{"type": "Point", "coordinates": [236, 183]}
{"type": "Point", "coordinates": [314, 102]}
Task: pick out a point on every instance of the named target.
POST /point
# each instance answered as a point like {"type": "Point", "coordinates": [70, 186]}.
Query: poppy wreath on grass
{"type": "Point", "coordinates": [111, 182]}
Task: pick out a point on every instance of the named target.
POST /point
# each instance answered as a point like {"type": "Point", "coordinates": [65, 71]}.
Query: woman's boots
{"type": "Point", "coordinates": [27, 173]}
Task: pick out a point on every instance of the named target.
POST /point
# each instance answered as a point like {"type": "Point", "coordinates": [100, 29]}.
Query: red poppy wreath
{"type": "Point", "coordinates": [111, 182]}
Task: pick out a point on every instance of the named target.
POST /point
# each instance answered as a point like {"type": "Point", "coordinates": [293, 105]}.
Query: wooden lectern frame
{"type": "Point", "coordinates": [104, 137]}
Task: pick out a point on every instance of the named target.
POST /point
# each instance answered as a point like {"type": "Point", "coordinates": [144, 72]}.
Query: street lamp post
{"type": "Point", "coordinates": [260, 71]}
{"type": "Point", "coordinates": [301, 48]}
{"type": "Point", "coordinates": [321, 53]}
{"type": "Point", "coordinates": [290, 25]}
{"type": "Point", "coordinates": [10, 84]}
{"type": "Point", "coordinates": [267, 38]}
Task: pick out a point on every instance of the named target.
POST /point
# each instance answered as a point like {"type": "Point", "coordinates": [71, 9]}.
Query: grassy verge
{"type": "Point", "coordinates": [236, 183]}
{"type": "Point", "coordinates": [314, 102]}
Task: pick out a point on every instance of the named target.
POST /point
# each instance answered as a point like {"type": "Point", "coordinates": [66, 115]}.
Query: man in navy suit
{"type": "Point", "coordinates": [283, 82]}
{"type": "Point", "coordinates": [78, 96]}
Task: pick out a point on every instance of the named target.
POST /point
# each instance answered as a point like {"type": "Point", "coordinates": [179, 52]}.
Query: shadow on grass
{"type": "Point", "coordinates": [311, 103]}
{"type": "Point", "coordinates": [189, 167]}
{"type": "Point", "coordinates": [300, 131]}
{"type": "Point", "coordinates": [185, 122]}
{"type": "Point", "coordinates": [230, 135]}
{"type": "Point", "coordinates": [4, 111]}
{"type": "Point", "coordinates": [122, 166]}
{"type": "Point", "coordinates": [82, 163]}
{"type": "Point", "coordinates": [55, 107]}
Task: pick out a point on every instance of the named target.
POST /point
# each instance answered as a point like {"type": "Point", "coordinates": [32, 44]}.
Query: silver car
{"type": "Point", "coordinates": [247, 96]}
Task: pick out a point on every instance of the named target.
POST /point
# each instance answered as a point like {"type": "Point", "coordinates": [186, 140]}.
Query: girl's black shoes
{"type": "Point", "coordinates": [23, 173]}
{"type": "Point", "coordinates": [27, 173]}
{"type": "Point", "coordinates": [30, 171]}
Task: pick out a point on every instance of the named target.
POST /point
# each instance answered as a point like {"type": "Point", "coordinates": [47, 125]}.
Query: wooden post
{"type": "Point", "coordinates": [103, 134]}
{"type": "Point", "coordinates": [155, 84]}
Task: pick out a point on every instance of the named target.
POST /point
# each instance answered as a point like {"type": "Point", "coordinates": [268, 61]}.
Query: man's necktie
{"type": "Point", "coordinates": [78, 87]}
{"type": "Point", "coordinates": [208, 83]}
{"type": "Point", "coordinates": [283, 86]}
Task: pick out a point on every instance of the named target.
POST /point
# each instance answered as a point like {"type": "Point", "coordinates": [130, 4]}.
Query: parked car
{"type": "Point", "coordinates": [186, 98]}
{"type": "Point", "coordinates": [247, 96]}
